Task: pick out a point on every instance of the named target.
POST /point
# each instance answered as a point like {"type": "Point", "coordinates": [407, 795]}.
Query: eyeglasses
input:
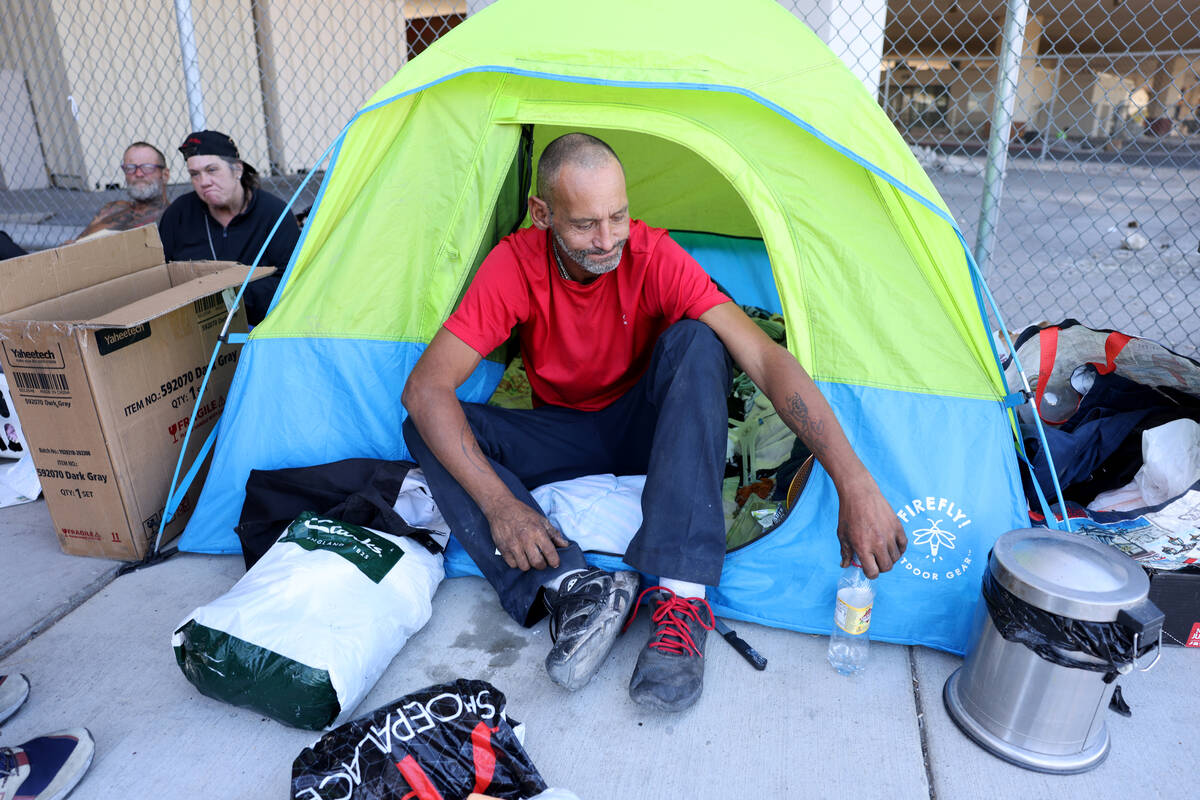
{"type": "Point", "coordinates": [149, 169]}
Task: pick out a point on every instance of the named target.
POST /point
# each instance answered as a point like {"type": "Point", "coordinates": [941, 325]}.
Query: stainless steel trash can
{"type": "Point", "coordinates": [1028, 707]}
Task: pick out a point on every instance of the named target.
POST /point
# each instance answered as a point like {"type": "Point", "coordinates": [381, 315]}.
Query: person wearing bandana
{"type": "Point", "coordinates": [228, 217]}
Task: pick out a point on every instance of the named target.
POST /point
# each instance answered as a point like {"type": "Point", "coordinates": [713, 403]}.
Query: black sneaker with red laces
{"type": "Point", "coordinates": [669, 674]}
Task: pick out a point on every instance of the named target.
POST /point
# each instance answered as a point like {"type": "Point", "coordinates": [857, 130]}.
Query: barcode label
{"type": "Point", "coordinates": [207, 304]}
{"type": "Point", "coordinates": [43, 382]}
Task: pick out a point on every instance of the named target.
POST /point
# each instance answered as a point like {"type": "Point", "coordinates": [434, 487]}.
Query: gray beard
{"type": "Point", "coordinates": [141, 192]}
{"type": "Point", "coordinates": [580, 257]}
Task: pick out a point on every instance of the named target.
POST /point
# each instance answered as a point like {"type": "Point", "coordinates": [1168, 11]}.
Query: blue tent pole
{"type": "Point", "coordinates": [175, 491]}
{"type": "Point", "coordinates": [982, 287]}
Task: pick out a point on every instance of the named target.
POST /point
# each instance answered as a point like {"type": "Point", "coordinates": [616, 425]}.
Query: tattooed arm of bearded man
{"type": "Point", "coordinates": [867, 526]}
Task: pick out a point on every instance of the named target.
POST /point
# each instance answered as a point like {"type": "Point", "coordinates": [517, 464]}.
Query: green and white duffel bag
{"type": "Point", "coordinates": [308, 630]}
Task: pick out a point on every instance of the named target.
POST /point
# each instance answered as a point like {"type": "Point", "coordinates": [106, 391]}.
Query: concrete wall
{"type": "Point", "coordinates": [1092, 99]}
{"type": "Point", "coordinates": [30, 45]}
{"type": "Point", "coordinates": [233, 100]}
{"type": "Point", "coordinates": [310, 99]}
{"type": "Point", "coordinates": [970, 90]}
{"type": "Point", "coordinates": [120, 72]}
{"type": "Point", "coordinates": [104, 73]}
{"type": "Point", "coordinates": [21, 163]}
{"type": "Point", "coordinates": [853, 30]}
{"type": "Point", "coordinates": [1088, 99]}
{"type": "Point", "coordinates": [1035, 87]}
{"type": "Point", "coordinates": [282, 77]}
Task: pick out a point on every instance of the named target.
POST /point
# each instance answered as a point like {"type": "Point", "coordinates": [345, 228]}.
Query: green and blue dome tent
{"type": "Point", "coordinates": [797, 194]}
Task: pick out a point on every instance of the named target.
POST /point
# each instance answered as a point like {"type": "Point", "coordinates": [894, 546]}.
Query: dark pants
{"type": "Point", "coordinates": [671, 426]}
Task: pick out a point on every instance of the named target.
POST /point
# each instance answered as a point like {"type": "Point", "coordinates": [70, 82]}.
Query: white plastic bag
{"type": "Point", "coordinates": [600, 513]}
{"type": "Point", "coordinates": [415, 506]}
{"type": "Point", "coordinates": [1170, 466]}
{"type": "Point", "coordinates": [1170, 460]}
{"type": "Point", "coordinates": [308, 630]}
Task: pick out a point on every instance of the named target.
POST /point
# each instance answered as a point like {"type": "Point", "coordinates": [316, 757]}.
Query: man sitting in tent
{"type": "Point", "coordinates": [627, 345]}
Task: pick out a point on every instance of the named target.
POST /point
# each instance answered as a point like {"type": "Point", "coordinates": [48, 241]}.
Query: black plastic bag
{"type": "Point", "coordinates": [443, 742]}
{"type": "Point", "coordinates": [1061, 640]}
{"type": "Point", "coordinates": [357, 490]}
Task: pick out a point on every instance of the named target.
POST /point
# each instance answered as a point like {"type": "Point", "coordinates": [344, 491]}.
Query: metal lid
{"type": "Point", "coordinates": [1068, 574]}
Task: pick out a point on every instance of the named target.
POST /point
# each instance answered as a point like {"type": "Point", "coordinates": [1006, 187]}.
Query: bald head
{"type": "Point", "coordinates": [577, 149]}
{"type": "Point", "coordinates": [581, 201]}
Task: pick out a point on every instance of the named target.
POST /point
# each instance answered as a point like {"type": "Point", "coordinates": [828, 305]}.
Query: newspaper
{"type": "Point", "coordinates": [1165, 537]}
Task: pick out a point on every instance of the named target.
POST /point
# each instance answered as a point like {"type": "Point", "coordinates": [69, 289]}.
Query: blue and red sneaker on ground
{"type": "Point", "coordinates": [45, 768]}
{"type": "Point", "coordinates": [13, 691]}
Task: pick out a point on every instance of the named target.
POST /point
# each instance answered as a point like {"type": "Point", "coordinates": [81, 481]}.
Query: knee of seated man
{"type": "Point", "coordinates": [691, 333]}
{"type": "Point", "coordinates": [692, 339]}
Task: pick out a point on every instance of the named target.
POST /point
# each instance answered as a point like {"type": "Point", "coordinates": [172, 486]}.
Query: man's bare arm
{"type": "Point", "coordinates": [867, 525]}
{"type": "Point", "coordinates": [524, 537]}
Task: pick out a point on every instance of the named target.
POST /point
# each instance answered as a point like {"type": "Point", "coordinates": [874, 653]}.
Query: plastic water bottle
{"type": "Point", "coordinates": [850, 642]}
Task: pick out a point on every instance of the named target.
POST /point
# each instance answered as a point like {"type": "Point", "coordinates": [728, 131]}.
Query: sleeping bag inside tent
{"type": "Point", "coordinates": [783, 178]}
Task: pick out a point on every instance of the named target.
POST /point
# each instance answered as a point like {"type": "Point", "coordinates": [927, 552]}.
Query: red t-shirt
{"type": "Point", "coordinates": [583, 345]}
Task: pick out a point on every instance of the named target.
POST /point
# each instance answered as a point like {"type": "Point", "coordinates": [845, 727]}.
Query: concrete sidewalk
{"type": "Point", "coordinates": [97, 651]}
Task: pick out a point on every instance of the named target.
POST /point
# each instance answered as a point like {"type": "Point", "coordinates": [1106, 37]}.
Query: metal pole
{"type": "Point", "coordinates": [887, 91]}
{"type": "Point", "coordinates": [191, 64]}
{"type": "Point", "coordinates": [1007, 71]}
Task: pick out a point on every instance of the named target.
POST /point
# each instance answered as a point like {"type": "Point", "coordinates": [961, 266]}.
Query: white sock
{"type": "Point", "coordinates": [553, 583]}
{"type": "Point", "coordinates": [682, 588]}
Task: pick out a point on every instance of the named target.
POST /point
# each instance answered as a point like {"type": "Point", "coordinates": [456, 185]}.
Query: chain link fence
{"type": "Point", "coordinates": [1094, 166]}
{"type": "Point", "coordinates": [1063, 134]}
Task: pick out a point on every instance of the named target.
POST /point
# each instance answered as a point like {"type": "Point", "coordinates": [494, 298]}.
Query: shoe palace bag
{"type": "Point", "coordinates": [445, 741]}
{"type": "Point", "coordinates": [308, 630]}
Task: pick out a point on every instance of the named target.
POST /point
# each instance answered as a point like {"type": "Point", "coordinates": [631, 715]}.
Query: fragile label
{"type": "Point", "coordinates": [89, 536]}
{"type": "Point", "coordinates": [205, 414]}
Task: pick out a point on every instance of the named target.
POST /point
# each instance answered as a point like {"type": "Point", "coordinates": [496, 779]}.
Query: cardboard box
{"type": "Point", "coordinates": [1177, 594]}
{"type": "Point", "coordinates": [105, 348]}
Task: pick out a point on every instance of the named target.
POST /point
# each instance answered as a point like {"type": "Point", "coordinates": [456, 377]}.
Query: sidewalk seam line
{"type": "Point", "coordinates": [63, 609]}
{"type": "Point", "coordinates": [918, 702]}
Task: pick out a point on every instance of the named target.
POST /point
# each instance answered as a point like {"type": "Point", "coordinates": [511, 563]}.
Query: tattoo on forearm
{"type": "Point", "coordinates": [799, 420]}
{"type": "Point", "coordinates": [470, 448]}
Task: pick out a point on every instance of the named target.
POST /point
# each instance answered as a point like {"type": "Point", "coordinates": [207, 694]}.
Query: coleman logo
{"type": "Point", "coordinates": [933, 553]}
{"type": "Point", "coordinates": [33, 355]}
